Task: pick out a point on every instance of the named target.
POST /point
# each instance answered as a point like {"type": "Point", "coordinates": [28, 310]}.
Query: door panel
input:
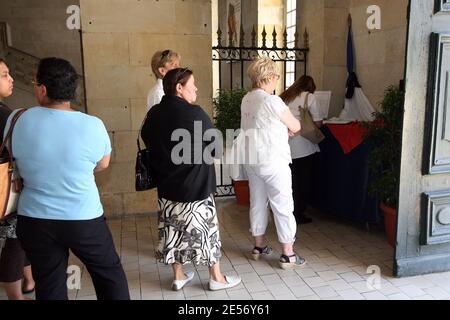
{"type": "Point", "coordinates": [423, 230]}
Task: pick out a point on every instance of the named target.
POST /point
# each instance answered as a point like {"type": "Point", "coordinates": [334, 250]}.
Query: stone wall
{"type": "Point", "coordinates": [119, 39]}
{"type": "Point", "coordinates": [379, 54]}
{"type": "Point", "coordinates": [310, 17]}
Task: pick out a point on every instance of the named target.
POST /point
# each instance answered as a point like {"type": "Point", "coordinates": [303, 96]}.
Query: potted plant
{"type": "Point", "coordinates": [227, 115]}
{"type": "Point", "coordinates": [384, 136]}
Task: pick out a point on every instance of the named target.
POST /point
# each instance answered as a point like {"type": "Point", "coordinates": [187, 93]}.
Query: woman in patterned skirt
{"type": "Point", "coordinates": [188, 226]}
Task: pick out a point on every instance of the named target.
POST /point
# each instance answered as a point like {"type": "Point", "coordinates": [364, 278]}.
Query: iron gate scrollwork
{"type": "Point", "coordinates": [232, 61]}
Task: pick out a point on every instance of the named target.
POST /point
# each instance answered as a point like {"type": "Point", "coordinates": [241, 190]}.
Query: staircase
{"type": "Point", "coordinates": [23, 68]}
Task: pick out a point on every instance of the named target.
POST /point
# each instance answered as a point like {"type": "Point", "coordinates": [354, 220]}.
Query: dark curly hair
{"type": "Point", "coordinates": [59, 78]}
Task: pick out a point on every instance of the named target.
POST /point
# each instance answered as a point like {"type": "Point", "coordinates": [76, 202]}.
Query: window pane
{"type": "Point", "coordinates": [294, 4]}
{"type": "Point", "coordinates": [289, 79]}
{"type": "Point", "coordinates": [291, 32]}
{"type": "Point", "coordinates": [291, 18]}
{"type": "Point", "coordinates": [289, 5]}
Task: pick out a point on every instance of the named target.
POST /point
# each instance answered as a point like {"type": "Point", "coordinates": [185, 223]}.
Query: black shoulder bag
{"type": "Point", "coordinates": [145, 179]}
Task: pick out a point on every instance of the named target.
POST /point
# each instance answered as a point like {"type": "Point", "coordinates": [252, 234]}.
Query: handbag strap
{"type": "Point", "coordinates": [140, 132]}
{"type": "Point", "coordinates": [8, 137]}
{"type": "Point", "coordinates": [305, 104]}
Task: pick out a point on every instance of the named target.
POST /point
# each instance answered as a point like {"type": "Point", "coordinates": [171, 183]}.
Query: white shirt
{"type": "Point", "coordinates": [262, 112]}
{"type": "Point", "coordinates": [155, 94]}
{"type": "Point", "coordinates": [301, 147]}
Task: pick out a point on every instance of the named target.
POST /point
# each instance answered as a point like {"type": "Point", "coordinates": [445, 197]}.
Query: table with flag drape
{"type": "Point", "coordinates": [342, 175]}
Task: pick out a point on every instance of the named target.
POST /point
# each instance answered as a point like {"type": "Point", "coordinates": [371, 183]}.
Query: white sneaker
{"type": "Point", "coordinates": [177, 285]}
{"type": "Point", "coordinates": [232, 281]}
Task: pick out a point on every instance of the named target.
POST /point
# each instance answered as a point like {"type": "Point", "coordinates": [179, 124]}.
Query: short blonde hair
{"type": "Point", "coordinates": [261, 70]}
{"type": "Point", "coordinates": [159, 60]}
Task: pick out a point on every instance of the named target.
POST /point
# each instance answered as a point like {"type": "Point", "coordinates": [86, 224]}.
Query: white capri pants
{"type": "Point", "coordinates": [272, 184]}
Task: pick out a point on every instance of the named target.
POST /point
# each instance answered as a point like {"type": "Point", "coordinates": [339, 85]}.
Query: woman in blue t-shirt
{"type": "Point", "coordinates": [57, 151]}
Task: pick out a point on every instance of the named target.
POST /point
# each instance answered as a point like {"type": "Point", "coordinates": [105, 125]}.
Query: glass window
{"type": "Point", "coordinates": [291, 24]}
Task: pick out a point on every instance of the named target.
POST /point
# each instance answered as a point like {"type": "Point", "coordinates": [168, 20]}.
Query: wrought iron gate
{"type": "Point", "coordinates": [232, 61]}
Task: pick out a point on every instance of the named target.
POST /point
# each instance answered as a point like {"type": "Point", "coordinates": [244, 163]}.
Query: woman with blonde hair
{"type": "Point", "coordinates": [162, 62]}
{"type": "Point", "coordinates": [267, 123]}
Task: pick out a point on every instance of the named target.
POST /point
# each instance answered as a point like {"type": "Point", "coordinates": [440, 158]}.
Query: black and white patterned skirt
{"type": "Point", "coordinates": [188, 232]}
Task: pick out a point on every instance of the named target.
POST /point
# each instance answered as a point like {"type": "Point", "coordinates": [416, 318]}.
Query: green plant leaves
{"type": "Point", "coordinates": [227, 109]}
{"type": "Point", "coordinates": [385, 142]}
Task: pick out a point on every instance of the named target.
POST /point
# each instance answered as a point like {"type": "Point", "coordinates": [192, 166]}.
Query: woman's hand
{"type": "Point", "coordinates": [293, 134]}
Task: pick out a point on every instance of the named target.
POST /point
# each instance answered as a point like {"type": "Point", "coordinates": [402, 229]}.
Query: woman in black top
{"type": "Point", "coordinates": [13, 263]}
{"type": "Point", "coordinates": [188, 226]}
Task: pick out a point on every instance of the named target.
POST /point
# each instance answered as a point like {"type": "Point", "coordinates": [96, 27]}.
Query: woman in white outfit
{"type": "Point", "coordinates": [267, 123]}
{"type": "Point", "coordinates": [304, 152]}
{"type": "Point", "coordinates": [162, 62]}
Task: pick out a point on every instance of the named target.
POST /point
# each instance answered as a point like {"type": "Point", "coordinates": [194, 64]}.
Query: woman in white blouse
{"type": "Point", "coordinates": [266, 122]}
{"type": "Point", "coordinates": [303, 151]}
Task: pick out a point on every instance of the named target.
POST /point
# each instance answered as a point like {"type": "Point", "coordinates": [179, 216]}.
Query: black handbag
{"type": "Point", "coordinates": [145, 179]}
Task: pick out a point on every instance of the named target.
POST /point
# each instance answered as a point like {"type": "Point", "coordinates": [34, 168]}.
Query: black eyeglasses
{"type": "Point", "coordinates": [164, 54]}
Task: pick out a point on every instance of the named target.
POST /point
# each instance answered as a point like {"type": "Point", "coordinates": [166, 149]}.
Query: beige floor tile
{"type": "Point", "coordinates": [351, 294]}
{"type": "Point", "coordinates": [375, 295]}
{"type": "Point", "coordinates": [351, 276]}
{"type": "Point", "coordinates": [278, 289]}
{"type": "Point", "coordinates": [91, 297]}
{"type": "Point", "coordinates": [151, 286]}
{"type": "Point", "coordinates": [293, 280]}
{"type": "Point", "coordinates": [425, 297]}
{"type": "Point", "coordinates": [437, 293]}
{"type": "Point", "coordinates": [199, 297]}
{"type": "Point", "coordinates": [412, 291]}
{"type": "Point", "coordinates": [217, 295]}
{"type": "Point", "coordinates": [285, 296]}
{"type": "Point", "coordinates": [271, 279]}
{"type": "Point", "coordinates": [312, 297]}
{"type": "Point", "coordinates": [319, 266]}
{"type": "Point", "coordinates": [314, 282]}
{"type": "Point", "coordinates": [266, 295]}
{"type": "Point", "coordinates": [398, 296]}
{"type": "Point", "coordinates": [329, 275]}
{"type": "Point", "coordinates": [239, 295]}
{"type": "Point", "coordinates": [175, 296]}
{"type": "Point", "coordinates": [325, 292]}
{"type": "Point", "coordinates": [362, 286]}
{"type": "Point", "coordinates": [152, 295]}
{"type": "Point", "coordinates": [306, 273]}
{"type": "Point", "coordinates": [135, 294]}
{"type": "Point", "coordinates": [244, 268]}
{"type": "Point", "coordinates": [254, 287]}
{"type": "Point", "coordinates": [339, 285]}
{"type": "Point", "coordinates": [302, 291]}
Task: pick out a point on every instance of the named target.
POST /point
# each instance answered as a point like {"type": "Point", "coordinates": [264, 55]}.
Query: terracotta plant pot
{"type": "Point", "coordinates": [242, 192]}
{"type": "Point", "coordinates": [390, 223]}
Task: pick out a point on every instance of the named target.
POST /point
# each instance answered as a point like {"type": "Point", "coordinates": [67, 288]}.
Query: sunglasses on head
{"type": "Point", "coordinates": [164, 54]}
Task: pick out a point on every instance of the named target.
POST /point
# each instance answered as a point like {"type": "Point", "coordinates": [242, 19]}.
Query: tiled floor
{"type": "Point", "coordinates": [338, 254]}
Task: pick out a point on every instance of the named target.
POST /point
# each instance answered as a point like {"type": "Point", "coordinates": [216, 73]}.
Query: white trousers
{"type": "Point", "coordinates": [272, 184]}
